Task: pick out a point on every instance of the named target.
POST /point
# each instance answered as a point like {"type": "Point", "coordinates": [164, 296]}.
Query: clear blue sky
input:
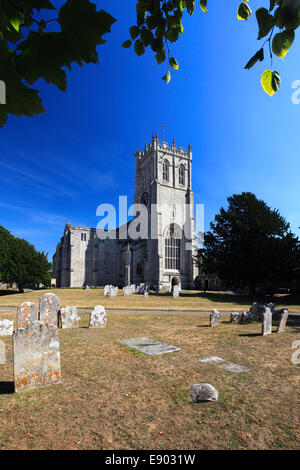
{"type": "Point", "coordinates": [63, 164]}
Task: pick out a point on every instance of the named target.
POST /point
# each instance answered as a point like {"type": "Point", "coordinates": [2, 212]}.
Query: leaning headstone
{"type": "Point", "coordinates": [49, 306]}
{"type": "Point", "coordinates": [235, 317]}
{"type": "Point", "coordinates": [203, 392]}
{"type": "Point", "coordinates": [98, 317]}
{"type": "Point", "coordinates": [282, 321]}
{"type": "Point", "coordinates": [214, 318]}
{"type": "Point", "coordinates": [36, 356]}
{"type": "Point", "coordinates": [27, 312]}
{"type": "Point", "coordinates": [176, 291]}
{"type": "Point", "coordinates": [6, 327]}
{"type": "Point", "coordinates": [68, 317]}
{"type": "Point", "coordinates": [267, 322]}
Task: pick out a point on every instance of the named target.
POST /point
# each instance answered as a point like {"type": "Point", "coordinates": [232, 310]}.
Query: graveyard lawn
{"type": "Point", "coordinates": [188, 300]}
{"type": "Point", "coordinates": [114, 397]}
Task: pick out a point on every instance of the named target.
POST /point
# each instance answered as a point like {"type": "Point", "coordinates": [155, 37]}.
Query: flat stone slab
{"type": "Point", "coordinates": [212, 359]}
{"type": "Point", "coordinates": [149, 346]}
{"type": "Point", "coordinates": [235, 368]}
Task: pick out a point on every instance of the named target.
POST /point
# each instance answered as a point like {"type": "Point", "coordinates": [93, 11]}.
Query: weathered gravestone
{"type": "Point", "coordinates": [132, 288]}
{"type": "Point", "coordinates": [49, 307]}
{"type": "Point", "coordinates": [113, 291]}
{"type": "Point", "coordinates": [282, 321]}
{"type": "Point", "coordinates": [98, 317]}
{"type": "Point", "coordinates": [127, 290]}
{"type": "Point", "coordinates": [267, 322]}
{"type": "Point", "coordinates": [106, 290]}
{"type": "Point", "coordinates": [6, 327]}
{"type": "Point", "coordinates": [256, 311]}
{"type": "Point", "coordinates": [245, 317]}
{"type": "Point", "coordinates": [27, 312]}
{"type": "Point", "coordinates": [235, 317]}
{"type": "Point", "coordinates": [214, 318]}
{"type": "Point", "coordinates": [36, 356]}
{"type": "Point", "coordinates": [203, 392]}
{"type": "Point", "coordinates": [2, 353]}
{"type": "Point", "coordinates": [175, 291]}
{"type": "Point", "coordinates": [68, 317]}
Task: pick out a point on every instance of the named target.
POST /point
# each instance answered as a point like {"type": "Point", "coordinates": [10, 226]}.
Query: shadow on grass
{"type": "Point", "coordinates": [6, 388]}
{"type": "Point", "coordinates": [294, 322]}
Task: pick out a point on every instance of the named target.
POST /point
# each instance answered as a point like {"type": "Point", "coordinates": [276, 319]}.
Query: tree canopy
{"type": "Point", "coordinates": [250, 243]}
{"type": "Point", "coordinates": [29, 50]}
{"type": "Point", "coordinates": [21, 263]}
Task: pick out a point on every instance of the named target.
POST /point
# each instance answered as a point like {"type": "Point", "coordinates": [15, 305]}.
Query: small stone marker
{"type": "Point", "coordinates": [49, 307]}
{"type": "Point", "coordinates": [36, 356]}
{"type": "Point", "coordinates": [98, 317]}
{"type": "Point", "coordinates": [106, 290]}
{"type": "Point", "coordinates": [146, 292]}
{"type": "Point", "coordinates": [282, 322]}
{"type": "Point", "coordinates": [235, 317]}
{"type": "Point", "coordinates": [267, 322]}
{"type": "Point", "coordinates": [203, 392]}
{"type": "Point", "coordinates": [27, 312]}
{"type": "Point", "coordinates": [6, 327]}
{"type": "Point", "coordinates": [175, 291]}
{"type": "Point", "coordinates": [235, 368]}
{"type": "Point", "coordinates": [212, 359]}
{"type": "Point", "coordinates": [214, 318]}
{"type": "Point", "coordinates": [149, 346]}
{"type": "Point", "coordinates": [68, 317]}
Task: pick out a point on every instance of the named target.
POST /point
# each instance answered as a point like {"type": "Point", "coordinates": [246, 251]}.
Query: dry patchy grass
{"type": "Point", "coordinates": [113, 397]}
{"type": "Point", "coordinates": [189, 300]}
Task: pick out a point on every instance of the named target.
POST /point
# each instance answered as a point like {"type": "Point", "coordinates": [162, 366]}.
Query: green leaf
{"type": "Point", "coordinates": [160, 56]}
{"type": "Point", "coordinates": [167, 77]}
{"type": "Point", "coordinates": [270, 82]}
{"type": "Point", "coordinates": [258, 56]}
{"type": "Point", "coordinates": [127, 44]}
{"type": "Point", "coordinates": [84, 27]}
{"type": "Point", "coordinates": [174, 64]}
{"type": "Point", "coordinates": [265, 22]}
{"type": "Point", "coordinates": [134, 32]}
{"type": "Point", "coordinates": [282, 43]}
{"type": "Point", "coordinates": [139, 48]}
{"type": "Point", "coordinates": [190, 6]}
{"type": "Point", "coordinates": [20, 99]}
{"type": "Point", "coordinates": [147, 37]}
{"type": "Point", "coordinates": [243, 11]}
{"type": "Point", "coordinates": [203, 5]}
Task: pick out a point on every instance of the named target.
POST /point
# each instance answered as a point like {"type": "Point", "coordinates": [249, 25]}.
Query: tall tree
{"type": "Point", "coordinates": [6, 247]}
{"type": "Point", "coordinates": [38, 39]}
{"type": "Point", "coordinates": [250, 243]}
{"type": "Point", "coordinates": [21, 263]}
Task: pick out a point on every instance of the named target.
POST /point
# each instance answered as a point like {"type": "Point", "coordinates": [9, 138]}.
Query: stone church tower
{"type": "Point", "coordinates": [164, 252]}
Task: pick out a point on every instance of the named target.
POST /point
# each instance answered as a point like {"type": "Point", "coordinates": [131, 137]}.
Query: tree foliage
{"type": "Point", "coordinates": [30, 50]}
{"type": "Point", "coordinates": [21, 263]}
{"type": "Point", "coordinates": [250, 243]}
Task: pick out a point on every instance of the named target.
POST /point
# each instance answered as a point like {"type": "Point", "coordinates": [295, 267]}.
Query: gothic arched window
{"type": "Point", "coordinates": [173, 247]}
{"type": "Point", "coordinates": [166, 165]}
{"type": "Point", "coordinates": [181, 174]}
